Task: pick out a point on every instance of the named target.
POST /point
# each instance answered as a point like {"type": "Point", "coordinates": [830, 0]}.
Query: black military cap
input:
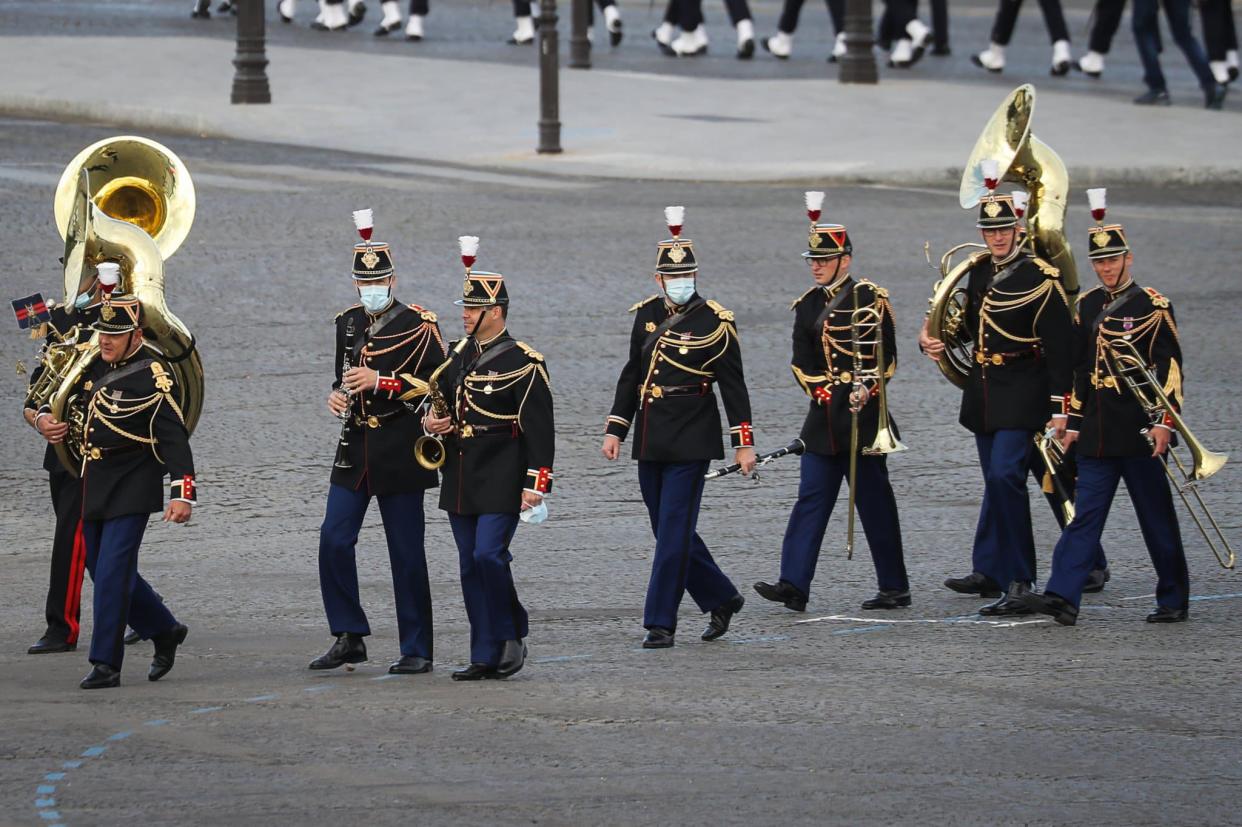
{"type": "Point", "coordinates": [996, 211]}
{"type": "Point", "coordinates": [828, 241]}
{"type": "Point", "coordinates": [372, 261]}
{"type": "Point", "coordinates": [483, 289]}
{"type": "Point", "coordinates": [119, 314]}
{"type": "Point", "coordinates": [1107, 241]}
{"type": "Point", "coordinates": [675, 256]}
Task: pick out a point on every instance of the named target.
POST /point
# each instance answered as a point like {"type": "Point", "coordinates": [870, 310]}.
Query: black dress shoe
{"type": "Point", "coordinates": [324, 27]}
{"type": "Point", "coordinates": [410, 665]}
{"type": "Point", "coordinates": [384, 31]}
{"type": "Point", "coordinates": [615, 36]}
{"type": "Point", "coordinates": [1096, 580]}
{"type": "Point", "coordinates": [1214, 98]}
{"type": "Point", "coordinates": [888, 600]}
{"type": "Point", "coordinates": [132, 638]}
{"type": "Point", "coordinates": [746, 49]}
{"type": "Point", "coordinates": [718, 624]}
{"type": "Point", "coordinates": [941, 50]}
{"type": "Point", "coordinates": [782, 592]}
{"type": "Point", "coordinates": [166, 651]}
{"type": "Point", "coordinates": [1010, 603]}
{"type": "Point", "coordinates": [349, 648]}
{"type": "Point", "coordinates": [974, 583]}
{"type": "Point", "coordinates": [48, 645]}
{"type": "Point", "coordinates": [355, 15]}
{"type": "Point", "coordinates": [1053, 605]}
{"type": "Point", "coordinates": [512, 658]}
{"type": "Point", "coordinates": [201, 10]}
{"type": "Point", "coordinates": [102, 676]}
{"type": "Point", "coordinates": [1154, 97]}
{"type": "Point", "coordinates": [658, 638]}
{"type": "Point", "coordinates": [475, 672]}
{"type": "Point", "coordinates": [1164, 614]}
{"type": "Point", "coordinates": [227, 7]}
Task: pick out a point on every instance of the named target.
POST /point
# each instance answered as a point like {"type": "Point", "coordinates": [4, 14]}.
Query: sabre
{"type": "Point", "coordinates": [797, 448]}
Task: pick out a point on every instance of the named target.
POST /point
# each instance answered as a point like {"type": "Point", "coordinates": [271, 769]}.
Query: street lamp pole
{"type": "Point", "coordinates": [579, 43]}
{"type": "Point", "coordinates": [549, 84]}
{"type": "Point", "coordinates": [858, 63]}
{"type": "Point", "coordinates": [250, 79]}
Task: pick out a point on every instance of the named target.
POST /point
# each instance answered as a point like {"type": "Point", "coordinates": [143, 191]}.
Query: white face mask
{"type": "Point", "coordinates": [535, 515]}
{"type": "Point", "coordinates": [679, 290]}
{"type": "Point", "coordinates": [374, 298]}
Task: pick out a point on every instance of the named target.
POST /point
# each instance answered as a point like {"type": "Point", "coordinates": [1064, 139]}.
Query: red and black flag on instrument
{"type": "Point", "coordinates": [31, 311]}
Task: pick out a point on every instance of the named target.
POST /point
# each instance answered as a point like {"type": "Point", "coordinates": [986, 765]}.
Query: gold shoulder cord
{"type": "Point", "coordinates": [492, 384]}
{"type": "Point", "coordinates": [1023, 299]}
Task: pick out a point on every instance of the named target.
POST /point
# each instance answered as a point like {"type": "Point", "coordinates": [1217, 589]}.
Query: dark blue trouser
{"type": "Point", "coordinates": [877, 509]}
{"type": "Point", "coordinates": [1038, 470]}
{"type": "Point", "coordinates": [1004, 542]}
{"type": "Point", "coordinates": [1146, 24]}
{"type": "Point", "coordinates": [672, 492]}
{"type": "Point", "coordinates": [121, 595]}
{"type": "Point", "coordinates": [492, 604]}
{"type": "Point", "coordinates": [1153, 502]}
{"type": "Point", "coordinates": [338, 567]}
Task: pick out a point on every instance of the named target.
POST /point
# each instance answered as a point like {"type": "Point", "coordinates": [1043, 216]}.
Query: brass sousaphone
{"type": "Point", "coordinates": [130, 200]}
{"type": "Point", "coordinates": [1029, 162]}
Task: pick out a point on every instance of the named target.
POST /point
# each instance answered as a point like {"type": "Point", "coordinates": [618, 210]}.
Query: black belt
{"type": "Point", "coordinates": [509, 429]}
{"type": "Point", "coordinates": [982, 357]}
{"type": "Point", "coordinates": [697, 389]}
{"type": "Point", "coordinates": [99, 452]}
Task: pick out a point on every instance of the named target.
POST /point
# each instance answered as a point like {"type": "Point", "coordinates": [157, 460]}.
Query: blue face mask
{"type": "Point", "coordinates": [679, 291]}
{"type": "Point", "coordinates": [374, 299]}
{"type": "Point", "coordinates": [83, 301]}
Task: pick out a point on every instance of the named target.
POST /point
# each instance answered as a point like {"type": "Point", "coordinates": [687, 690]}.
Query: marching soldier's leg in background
{"type": "Point", "coordinates": [1216, 17]}
{"type": "Point", "coordinates": [910, 35]}
{"type": "Point", "coordinates": [940, 27]}
{"type": "Point", "coordinates": [693, 38]}
{"type": "Point", "coordinates": [334, 16]}
{"type": "Point", "coordinates": [524, 25]}
{"type": "Point", "coordinates": [64, 594]}
{"type": "Point", "coordinates": [612, 20]}
{"type": "Point", "coordinates": [666, 32]}
{"type": "Point", "coordinates": [739, 16]}
{"type": "Point", "coordinates": [1106, 19]}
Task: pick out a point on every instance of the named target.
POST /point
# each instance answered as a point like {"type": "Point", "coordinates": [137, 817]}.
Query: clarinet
{"type": "Point", "coordinates": [797, 448]}
{"type": "Point", "coordinates": [342, 446]}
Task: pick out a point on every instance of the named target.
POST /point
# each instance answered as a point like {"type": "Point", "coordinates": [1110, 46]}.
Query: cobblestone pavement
{"type": "Point", "coordinates": [937, 718]}
{"type": "Point", "coordinates": [477, 30]}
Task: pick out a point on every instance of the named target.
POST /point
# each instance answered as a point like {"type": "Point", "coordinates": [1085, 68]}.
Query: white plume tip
{"type": "Point", "coordinates": [675, 216]}
{"type": "Point", "coordinates": [109, 273]}
{"type": "Point", "coordinates": [1097, 198]}
{"type": "Point", "coordinates": [1020, 199]}
{"type": "Point", "coordinates": [469, 244]}
{"type": "Point", "coordinates": [990, 168]}
{"type": "Point", "coordinates": [814, 200]}
{"type": "Point", "coordinates": [363, 220]}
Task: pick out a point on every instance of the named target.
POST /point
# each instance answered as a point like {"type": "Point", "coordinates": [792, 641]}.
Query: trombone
{"type": "Point", "coordinates": [1146, 389]}
{"type": "Point", "coordinates": [867, 332]}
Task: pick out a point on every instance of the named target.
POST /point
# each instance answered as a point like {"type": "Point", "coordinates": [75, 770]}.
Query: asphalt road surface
{"type": "Point", "coordinates": [926, 715]}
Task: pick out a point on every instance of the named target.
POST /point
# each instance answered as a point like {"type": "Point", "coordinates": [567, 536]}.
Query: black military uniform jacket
{"type": "Point", "coordinates": [1109, 420]}
{"type": "Point", "coordinates": [135, 435]}
{"type": "Point", "coordinates": [823, 362]}
{"type": "Point", "coordinates": [1018, 317]}
{"type": "Point", "coordinates": [666, 387]}
{"type": "Point", "coordinates": [403, 345]}
{"type": "Point", "coordinates": [58, 327]}
{"type": "Point", "coordinates": [505, 440]}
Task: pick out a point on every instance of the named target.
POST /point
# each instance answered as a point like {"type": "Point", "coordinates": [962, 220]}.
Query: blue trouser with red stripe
{"type": "Point", "coordinates": [1153, 503]}
{"type": "Point", "coordinates": [818, 488]}
{"type": "Point", "coordinates": [64, 592]}
{"type": "Point", "coordinates": [120, 592]}
{"type": "Point", "coordinates": [492, 604]}
{"type": "Point", "coordinates": [672, 492]}
{"type": "Point", "coordinates": [338, 567]}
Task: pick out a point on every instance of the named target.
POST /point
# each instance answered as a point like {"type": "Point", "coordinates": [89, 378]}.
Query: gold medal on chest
{"type": "Point", "coordinates": [487, 388]}
{"type": "Point", "coordinates": [683, 350]}
{"type": "Point", "coordinates": [650, 327]}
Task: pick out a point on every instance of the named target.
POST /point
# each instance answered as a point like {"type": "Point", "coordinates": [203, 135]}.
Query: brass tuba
{"type": "Point", "coordinates": [128, 200]}
{"type": "Point", "coordinates": [1029, 162]}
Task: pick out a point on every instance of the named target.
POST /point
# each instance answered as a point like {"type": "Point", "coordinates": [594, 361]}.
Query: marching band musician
{"type": "Point", "coordinates": [1018, 316]}
{"type": "Point", "coordinates": [63, 607]}
{"type": "Point", "coordinates": [384, 352]}
{"type": "Point", "coordinates": [500, 439]}
{"type": "Point", "coordinates": [823, 365]}
{"type": "Point", "coordinates": [680, 346]}
{"type": "Point", "coordinates": [1116, 439]}
{"type": "Point", "coordinates": [134, 436]}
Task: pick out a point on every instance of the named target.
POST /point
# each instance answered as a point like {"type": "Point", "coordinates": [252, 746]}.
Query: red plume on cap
{"type": "Point", "coordinates": [1098, 200]}
{"type": "Point", "coordinates": [469, 245]}
{"type": "Point", "coordinates": [814, 205]}
{"type": "Point", "coordinates": [676, 219]}
{"type": "Point", "coordinates": [363, 221]}
{"type": "Point", "coordinates": [1019, 202]}
{"type": "Point", "coordinates": [991, 173]}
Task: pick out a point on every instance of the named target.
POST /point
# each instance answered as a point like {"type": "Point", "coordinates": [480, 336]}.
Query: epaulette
{"type": "Point", "coordinates": [1046, 268]}
{"type": "Point", "coordinates": [647, 300]}
{"type": "Point", "coordinates": [879, 291]}
{"type": "Point", "coordinates": [424, 313]}
{"type": "Point", "coordinates": [725, 315]}
{"type": "Point", "coordinates": [346, 310]}
{"type": "Point", "coordinates": [530, 352]}
{"type": "Point", "coordinates": [1157, 300]}
{"type": "Point", "coordinates": [162, 380]}
{"type": "Point", "coordinates": [798, 300]}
